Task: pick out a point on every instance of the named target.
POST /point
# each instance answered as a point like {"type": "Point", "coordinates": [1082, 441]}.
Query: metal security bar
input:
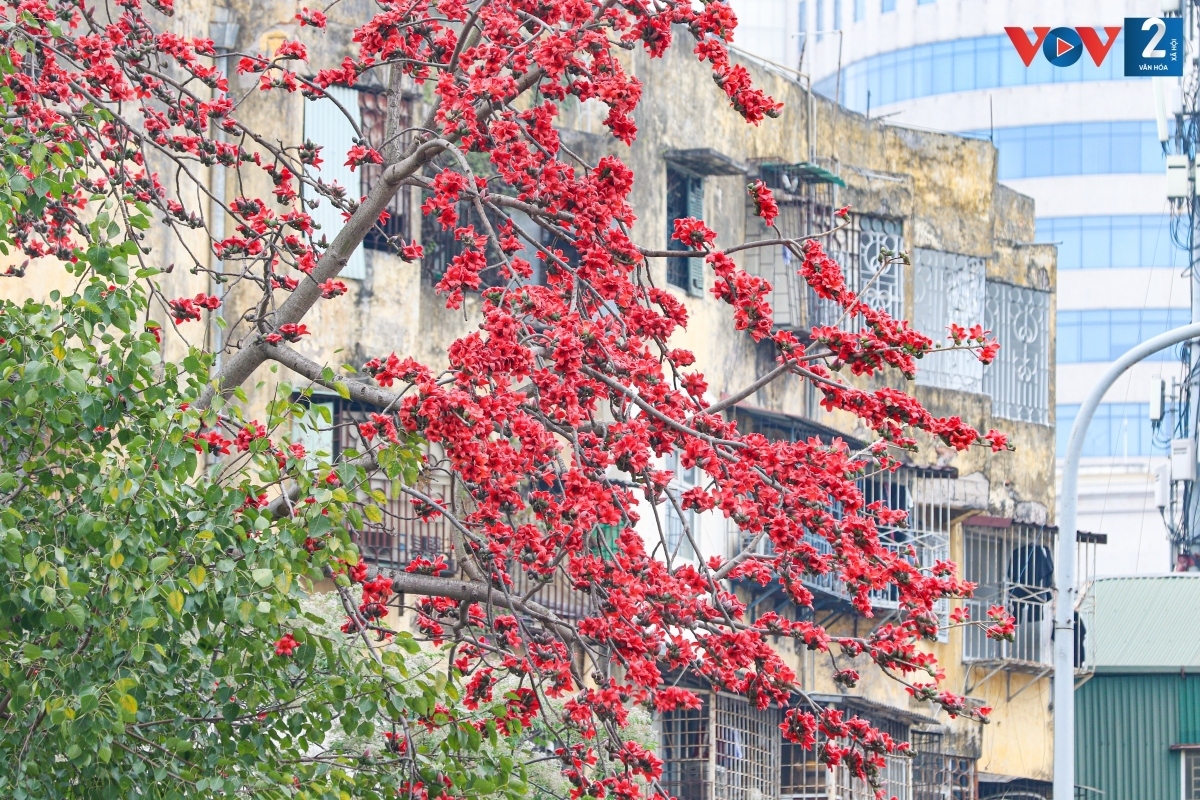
{"type": "Point", "coordinates": [896, 780]}
{"type": "Point", "coordinates": [802, 775]}
{"type": "Point", "coordinates": [687, 751]}
{"type": "Point", "coordinates": [856, 248]}
{"type": "Point", "coordinates": [802, 213]}
{"type": "Point", "coordinates": [747, 750]}
{"type": "Point", "coordinates": [725, 750]}
{"type": "Point", "coordinates": [1018, 380]}
{"type": "Point", "coordinates": [948, 288]}
{"type": "Point", "coordinates": [938, 775]}
{"type": "Point", "coordinates": [924, 538]}
{"type": "Point", "coordinates": [1013, 567]}
{"type": "Point", "coordinates": [402, 534]}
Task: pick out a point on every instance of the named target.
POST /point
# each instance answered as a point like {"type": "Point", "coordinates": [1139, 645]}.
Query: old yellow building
{"type": "Point", "coordinates": [933, 196]}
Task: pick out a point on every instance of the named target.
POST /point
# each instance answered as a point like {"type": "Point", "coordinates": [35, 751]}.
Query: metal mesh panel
{"type": "Point", "coordinates": [747, 751]}
{"type": "Point", "coordinates": [1018, 380]}
{"type": "Point", "coordinates": [948, 287]}
{"type": "Point", "coordinates": [1012, 567]}
{"type": "Point", "coordinates": [856, 248]}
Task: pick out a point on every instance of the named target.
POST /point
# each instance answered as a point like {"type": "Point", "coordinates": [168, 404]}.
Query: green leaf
{"type": "Point", "coordinates": [76, 615]}
{"type": "Point", "coordinates": [196, 575]}
{"type": "Point", "coordinates": [159, 563]}
{"type": "Point", "coordinates": [263, 576]}
{"type": "Point", "coordinates": [75, 382]}
{"type": "Point", "coordinates": [175, 601]}
{"type": "Point", "coordinates": [342, 389]}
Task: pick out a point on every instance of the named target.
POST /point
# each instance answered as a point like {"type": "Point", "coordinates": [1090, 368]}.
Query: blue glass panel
{"type": "Point", "coordinates": [964, 65]}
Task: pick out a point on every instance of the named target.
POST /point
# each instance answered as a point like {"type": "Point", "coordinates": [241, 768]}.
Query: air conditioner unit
{"type": "Point", "coordinates": [1179, 171]}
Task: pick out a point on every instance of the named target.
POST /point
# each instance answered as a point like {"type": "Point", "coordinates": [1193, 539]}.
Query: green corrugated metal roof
{"type": "Point", "coordinates": [1146, 624]}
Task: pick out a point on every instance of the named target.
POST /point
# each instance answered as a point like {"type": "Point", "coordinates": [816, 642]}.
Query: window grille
{"type": "Point", "coordinates": [803, 213]}
{"type": "Point", "coordinates": [747, 750]}
{"type": "Point", "coordinates": [373, 110]}
{"type": "Point", "coordinates": [924, 495]}
{"type": "Point", "coordinates": [948, 288]}
{"type": "Point", "coordinates": [896, 778]}
{"type": "Point", "coordinates": [1013, 567]}
{"type": "Point", "coordinates": [804, 777]}
{"type": "Point", "coordinates": [687, 752]}
{"type": "Point", "coordinates": [725, 750]}
{"type": "Point", "coordinates": [401, 535]}
{"type": "Point", "coordinates": [1018, 380]}
{"type": "Point", "coordinates": [1191, 775]}
{"type": "Point", "coordinates": [938, 775]}
{"type": "Point", "coordinates": [856, 248]}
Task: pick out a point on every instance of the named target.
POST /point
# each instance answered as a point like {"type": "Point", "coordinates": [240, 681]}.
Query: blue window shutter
{"type": "Point", "coordinates": [695, 209]}
{"type": "Point", "coordinates": [327, 127]}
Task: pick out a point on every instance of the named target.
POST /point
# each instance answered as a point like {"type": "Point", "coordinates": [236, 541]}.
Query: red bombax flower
{"type": "Point", "coordinates": [286, 645]}
{"type": "Point", "coordinates": [562, 383]}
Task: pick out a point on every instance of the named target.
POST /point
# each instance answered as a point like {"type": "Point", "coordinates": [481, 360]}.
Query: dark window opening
{"type": "Point", "coordinates": [685, 198]}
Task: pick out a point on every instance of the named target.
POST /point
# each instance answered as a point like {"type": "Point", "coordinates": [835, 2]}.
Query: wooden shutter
{"type": "Point", "coordinates": [326, 126]}
{"type": "Point", "coordinates": [695, 208]}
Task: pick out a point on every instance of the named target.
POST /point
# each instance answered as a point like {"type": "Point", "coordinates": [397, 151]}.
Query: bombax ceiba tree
{"type": "Point", "coordinates": [550, 420]}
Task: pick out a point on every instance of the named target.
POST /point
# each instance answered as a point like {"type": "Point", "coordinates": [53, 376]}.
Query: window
{"type": "Point", "coordinates": [1117, 430]}
{"type": "Point", "coordinates": [1113, 242]}
{"type": "Point", "coordinates": [820, 19]}
{"type": "Point", "coordinates": [1018, 380]}
{"type": "Point", "coordinates": [1105, 334]}
{"type": "Point", "coordinates": [837, 15]}
{"type": "Point", "coordinates": [1191, 774]}
{"type": "Point", "coordinates": [938, 774]}
{"type": "Point", "coordinates": [984, 62]}
{"type": "Point", "coordinates": [860, 10]}
{"type": "Point", "coordinates": [685, 198]}
{"type": "Point", "coordinates": [803, 20]}
{"type": "Point", "coordinates": [328, 127]}
{"type": "Point", "coordinates": [401, 535]}
{"type": "Point", "coordinates": [804, 777]}
{"type": "Point", "coordinates": [887, 5]}
{"type": "Point", "coordinates": [677, 527]}
{"type": "Point", "coordinates": [1011, 567]}
{"type": "Point", "coordinates": [1085, 148]}
{"type": "Point", "coordinates": [925, 2]}
{"type": "Point", "coordinates": [857, 248]}
{"type": "Point", "coordinates": [801, 214]}
{"type": "Point", "coordinates": [949, 288]}
{"type": "Point", "coordinates": [726, 738]}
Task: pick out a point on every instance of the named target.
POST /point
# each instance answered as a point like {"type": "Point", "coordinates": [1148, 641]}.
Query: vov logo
{"type": "Point", "coordinates": [1153, 45]}
{"type": "Point", "coordinates": [1062, 47]}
